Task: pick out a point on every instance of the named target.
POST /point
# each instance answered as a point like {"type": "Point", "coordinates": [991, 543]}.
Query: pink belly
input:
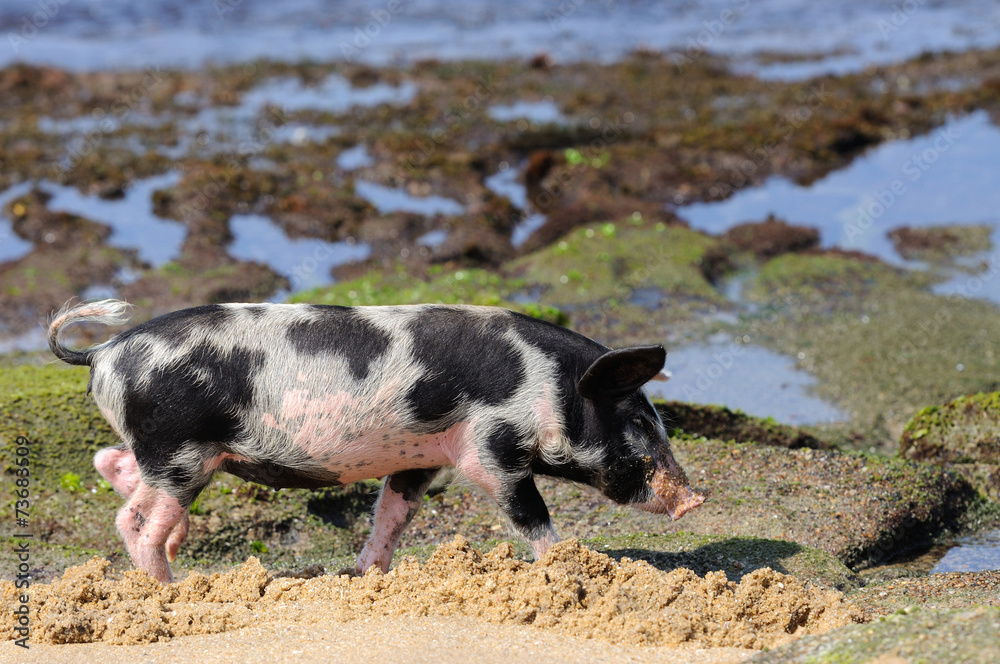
{"type": "Point", "coordinates": [347, 436]}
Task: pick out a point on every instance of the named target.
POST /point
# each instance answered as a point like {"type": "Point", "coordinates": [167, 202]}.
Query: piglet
{"type": "Point", "coordinates": [308, 396]}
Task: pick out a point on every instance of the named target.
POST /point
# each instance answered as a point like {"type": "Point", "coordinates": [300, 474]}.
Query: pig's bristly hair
{"type": "Point", "coordinates": [106, 312]}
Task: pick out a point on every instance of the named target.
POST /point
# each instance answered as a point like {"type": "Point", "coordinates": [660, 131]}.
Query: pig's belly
{"type": "Point", "coordinates": [384, 450]}
{"type": "Point", "coordinates": [384, 453]}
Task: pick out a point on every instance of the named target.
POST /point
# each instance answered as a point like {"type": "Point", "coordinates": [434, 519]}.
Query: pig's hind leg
{"type": "Point", "coordinates": [147, 522]}
{"type": "Point", "coordinates": [154, 521]}
{"type": "Point", "coordinates": [400, 498]}
{"type": "Point", "coordinates": [118, 466]}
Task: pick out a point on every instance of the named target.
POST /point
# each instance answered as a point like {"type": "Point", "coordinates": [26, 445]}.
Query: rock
{"type": "Point", "coordinates": [963, 434]}
{"type": "Point", "coordinates": [943, 635]}
{"type": "Point", "coordinates": [953, 590]}
{"type": "Point", "coordinates": [723, 424]}
{"type": "Point", "coordinates": [861, 508]}
{"type": "Point", "coordinates": [772, 237]}
{"type": "Point", "coordinates": [940, 244]}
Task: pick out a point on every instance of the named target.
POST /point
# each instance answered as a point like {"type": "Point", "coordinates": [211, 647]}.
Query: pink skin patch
{"type": "Point", "coordinates": [350, 438]}
{"type": "Point", "coordinates": [146, 523]}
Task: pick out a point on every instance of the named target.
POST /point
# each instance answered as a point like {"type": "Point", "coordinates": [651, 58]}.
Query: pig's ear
{"type": "Point", "coordinates": [619, 372]}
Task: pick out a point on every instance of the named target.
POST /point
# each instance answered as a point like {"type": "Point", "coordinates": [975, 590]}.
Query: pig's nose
{"type": "Point", "coordinates": [692, 501]}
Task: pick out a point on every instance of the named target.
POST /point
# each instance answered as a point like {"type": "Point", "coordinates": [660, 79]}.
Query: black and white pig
{"type": "Point", "coordinates": [313, 396]}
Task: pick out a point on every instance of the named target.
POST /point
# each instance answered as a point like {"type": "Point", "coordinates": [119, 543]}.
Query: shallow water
{"type": "Point", "coordinates": [131, 218]}
{"type": "Point", "coordinates": [259, 117]}
{"type": "Point", "coordinates": [753, 379]}
{"type": "Point", "coordinates": [972, 554]}
{"type": "Point", "coordinates": [12, 246]}
{"type": "Point", "coordinates": [387, 200]}
{"type": "Point", "coordinates": [305, 261]}
{"type": "Point", "coordinates": [354, 158]}
{"type": "Point", "coordinates": [507, 183]}
{"type": "Point", "coordinates": [848, 34]}
{"type": "Point", "coordinates": [947, 177]}
{"type": "Point", "coordinates": [538, 112]}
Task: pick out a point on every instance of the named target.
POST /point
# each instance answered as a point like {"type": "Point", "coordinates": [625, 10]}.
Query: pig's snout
{"type": "Point", "coordinates": [672, 494]}
{"type": "Point", "coordinates": [689, 502]}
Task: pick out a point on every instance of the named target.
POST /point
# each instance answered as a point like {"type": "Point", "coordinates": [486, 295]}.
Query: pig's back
{"type": "Point", "coordinates": [312, 380]}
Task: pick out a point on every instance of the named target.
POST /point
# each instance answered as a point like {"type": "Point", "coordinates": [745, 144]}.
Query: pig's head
{"type": "Point", "coordinates": [622, 426]}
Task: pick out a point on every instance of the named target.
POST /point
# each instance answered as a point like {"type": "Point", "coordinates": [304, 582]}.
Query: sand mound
{"type": "Point", "coordinates": [572, 589]}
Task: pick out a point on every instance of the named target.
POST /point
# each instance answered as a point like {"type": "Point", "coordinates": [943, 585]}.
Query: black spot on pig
{"type": "Point", "coordinates": [504, 446]}
{"type": "Point", "coordinates": [197, 400]}
{"type": "Point", "coordinates": [411, 484]}
{"type": "Point", "coordinates": [279, 476]}
{"type": "Point", "coordinates": [177, 326]}
{"type": "Point", "coordinates": [465, 358]}
{"type": "Point", "coordinates": [526, 508]}
{"type": "Point", "coordinates": [344, 332]}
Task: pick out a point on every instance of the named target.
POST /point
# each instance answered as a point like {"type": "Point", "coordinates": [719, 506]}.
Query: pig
{"type": "Point", "coordinates": [309, 396]}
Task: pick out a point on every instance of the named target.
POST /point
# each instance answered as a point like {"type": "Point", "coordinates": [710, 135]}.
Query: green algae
{"type": "Point", "coordinates": [471, 286]}
{"type": "Point", "coordinates": [606, 262]}
{"type": "Point", "coordinates": [916, 636]}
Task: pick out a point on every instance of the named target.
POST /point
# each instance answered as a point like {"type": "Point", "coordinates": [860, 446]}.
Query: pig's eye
{"type": "Point", "coordinates": [637, 421]}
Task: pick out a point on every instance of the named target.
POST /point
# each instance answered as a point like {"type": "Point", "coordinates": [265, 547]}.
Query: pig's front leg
{"type": "Point", "coordinates": [507, 478]}
{"type": "Point", "coordinates": [520, 501]}
{"type": "Point", "coordinates": [401, 496]}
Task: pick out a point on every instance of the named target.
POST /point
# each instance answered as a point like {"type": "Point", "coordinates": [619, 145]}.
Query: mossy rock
{"type": "Point", "coordinates": [467, 286]}
{"type": "Point", "coordinates": [965, 430]}
{"type": "Point", "coordinates": [609, 261]}
{"type": "Point", "coordinates": [881, 345]}
{"type": "Point", "coordinates": [695, 420]}
{"type": "Point", "coordinates": [941, 244]}
{"type": "Point", "coordinates": [944, 635]}
{"type": "Point", "coordinates": [964, 434]}
{"type": "Point", "coordinates": [822, 275]}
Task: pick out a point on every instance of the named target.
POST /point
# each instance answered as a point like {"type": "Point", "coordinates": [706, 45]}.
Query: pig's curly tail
{"type": "Point", "coordinates": [106, 312]}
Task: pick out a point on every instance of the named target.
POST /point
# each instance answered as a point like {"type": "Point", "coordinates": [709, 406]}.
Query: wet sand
{"type": "Point", "coordinates": [462, 603]}
{"type": "Point", "coordinates": [449, 640]}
